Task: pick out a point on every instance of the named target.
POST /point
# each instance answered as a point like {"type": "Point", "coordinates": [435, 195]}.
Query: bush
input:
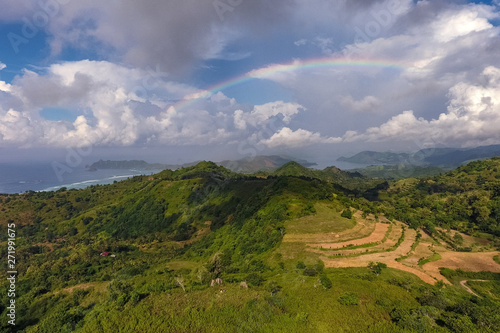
{"type": "Point", "coordinates": [273, 287]}
{"type": "Point", "coordinates": [255, 279]}
{"type": "Point", "coordinates": [301, 265]}
{"type": "Point", "coordinates": [348, 298]}
{"type": "Point", "coordinates": [347, 213]}
{"type": "Point", "coordinates": [325, 281]}
{"type": "Point", "coordinates": [310, 272]}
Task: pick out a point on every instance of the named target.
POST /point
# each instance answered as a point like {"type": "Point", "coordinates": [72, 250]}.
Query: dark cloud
{"type": "Point", "coordinates": [176, 35]}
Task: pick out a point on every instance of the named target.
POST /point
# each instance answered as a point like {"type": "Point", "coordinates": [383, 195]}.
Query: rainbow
{"type": "Point", "coordinates": [268, 71]}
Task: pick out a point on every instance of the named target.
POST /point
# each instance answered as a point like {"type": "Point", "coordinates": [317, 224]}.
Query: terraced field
{"type": "Point", "coordinates": [391, 243]}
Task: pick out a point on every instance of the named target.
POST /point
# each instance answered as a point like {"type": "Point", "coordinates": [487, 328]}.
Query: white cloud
{"type": "Point", "coordinates": [295, 139]}
{"type": "Point", "coordinates": [261, 114]}
{"type": "Point", "coordinates": [472, 118]}
{"type": "Point", "coordinates": [367, 104]}
{"type": "Point", "coordinates": [2, 65]}
{"type": "Point", "coordinates": [300, 42]}
{"type": "Point", "coordinates": [117, 105]}
{"type": "Point", "coordinates": [452, 24]}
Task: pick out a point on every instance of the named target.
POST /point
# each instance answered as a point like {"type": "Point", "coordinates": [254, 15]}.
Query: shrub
{"type": "Point", "coordinates": [301, 265]}
{"type": "Point", "coordinates": [255, 279]}
{"type": "Point", "coordinates": [310, 272]}
{"type": "Point", "coordinates": [347, 213]}
{"type": "Point", "coordinates": [348, 298]}
{"type": "Point", "coordinates": [325, 281]}
{"type": "Point", "coordinates": [273, 287]}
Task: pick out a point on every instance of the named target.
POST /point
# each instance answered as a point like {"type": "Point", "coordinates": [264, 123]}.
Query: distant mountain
{"type": "Point", "coordinates": [440, 157]}
{"type": "Point", "coordinates": [245, 165]}
{"type": "Point", "coordinates": [261, 163]}
{"type": "Point", "coordinates": [133, 164]}
{"type": "Point", "coordinates": [399, 171]}
{"type": "Point", "coordinates": [373, 157]}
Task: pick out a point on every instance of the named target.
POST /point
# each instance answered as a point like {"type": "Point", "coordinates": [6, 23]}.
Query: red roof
{"type": "Point", "coordinates": [104, 254]}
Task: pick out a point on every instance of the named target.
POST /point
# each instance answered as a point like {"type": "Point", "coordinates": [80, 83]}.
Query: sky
{"type": "Point", "coordinates": [178, 81]}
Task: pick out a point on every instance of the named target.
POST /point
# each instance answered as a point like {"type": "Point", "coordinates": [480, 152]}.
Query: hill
{"type": "Point", "coordinates": [205, 249]}
{"type": "Point", "coordinates": [133, 164]}
{"type": "Point", "coordinates": [261, 163]}
{"type": "Point", "coordinates": [439, 157]}
{"type": "Point", "coordinates": [245, 165]}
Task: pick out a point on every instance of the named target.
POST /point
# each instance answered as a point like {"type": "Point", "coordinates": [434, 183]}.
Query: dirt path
{"type": "Point", "coordinates": [463, 282]}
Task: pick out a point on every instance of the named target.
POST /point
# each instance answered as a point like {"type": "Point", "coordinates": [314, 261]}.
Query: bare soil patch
{"type": "Point", "coordinates": [421, 251]}
{"type": "Point", "coordinates": [467, 261]}
{"type": "Point", "coordinates": [394, 236]}
{"type": "Point", "coordinates": [83, 286]}
{"type": "Point", "coordinates": [376, 236]}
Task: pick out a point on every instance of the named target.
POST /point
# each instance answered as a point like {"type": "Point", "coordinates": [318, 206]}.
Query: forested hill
{"type": "Point", "coordinates": [442, 157]}
{"type": "Point", "coordinates": [467, 199]}
{"type": "Point", "coordinates": [142, 254]}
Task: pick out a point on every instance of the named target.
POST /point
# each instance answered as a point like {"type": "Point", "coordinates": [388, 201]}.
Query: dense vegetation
{"type": "Point", "coordinates": [174, 234]}
{"type": "Point", "coordinates": [466, 199]}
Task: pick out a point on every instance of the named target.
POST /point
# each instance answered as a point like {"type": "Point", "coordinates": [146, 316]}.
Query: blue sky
{"type": "Point", "coordinates": [134, 76]}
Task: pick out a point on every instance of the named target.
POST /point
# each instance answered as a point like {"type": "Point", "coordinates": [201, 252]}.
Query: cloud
{"type": "Point", "coordinates": [2, 65]}
{"type": "Point", "coordinates": [472, 118]}
{"type": "Point", "coordinates": [367, 104]}
{"type": "Point", "coordinates": [295, 139]}
{"type": "Point", "coordinates": [177, 36]}
{"type": "Point", "coordinates": [115, 105]}
{"type": "Point", "coordinates": [261, 114]}
{"type": "Point", "coordinates": [300, 42]}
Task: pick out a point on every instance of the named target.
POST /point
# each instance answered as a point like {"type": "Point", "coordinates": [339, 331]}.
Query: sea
{"type": "Point", "coordinates": [22, 177]}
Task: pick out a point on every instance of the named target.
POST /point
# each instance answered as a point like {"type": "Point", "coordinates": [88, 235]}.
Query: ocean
{"type": "Point", "coordinates": [22, 177]}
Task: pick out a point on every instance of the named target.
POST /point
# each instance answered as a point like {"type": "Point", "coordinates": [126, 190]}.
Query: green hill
{"type": "Point", "coordinates": [143, 254]}
{"type": "Point", "coordinates": [440, 157]}
{"type": "Point", "coordinates": [466, 199]}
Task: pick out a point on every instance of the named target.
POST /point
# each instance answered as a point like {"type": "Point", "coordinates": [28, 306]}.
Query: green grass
{"type": "Point", "coordinates": [435, 257]}
{"type": "Point", "coordinates": [497, 259]}
{"type": "Point", "coordinates": [303, 305]}
{"type": "Point", "coordinates": [486, 288]}
{"type": "Point", "coordinates": [350, 247]}
{"type": "Point", "coordinates": [326, 219]}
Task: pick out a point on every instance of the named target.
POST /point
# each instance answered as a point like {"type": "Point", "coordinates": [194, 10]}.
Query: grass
{"type": "Point", "coordinates": [497, 259]}
{"type": "Point", "coordinates": [350, 247]}
{"type": "Point", "coordinates": [326, 219]}
{"type": "Point", "coordinates": [486, 288]}
{"type": "Point", "coordinates": [302, 305]}
{"type": "Point", "coordinates": [435, 257]}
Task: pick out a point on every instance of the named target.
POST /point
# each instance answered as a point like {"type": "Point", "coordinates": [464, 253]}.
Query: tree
{"type": "Point", "coordinates": [347, 213]}
{"type": "Point", "coordinates": [377, 268]}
